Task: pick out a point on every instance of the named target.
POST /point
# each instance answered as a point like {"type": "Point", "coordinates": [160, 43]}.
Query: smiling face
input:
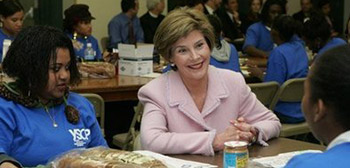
{"type": "Point", "coordinates": [191, 55]}
{"type": "Point", "coordinates": [59, 76]}
{"type": "Point", "coordinates": [13, 24]}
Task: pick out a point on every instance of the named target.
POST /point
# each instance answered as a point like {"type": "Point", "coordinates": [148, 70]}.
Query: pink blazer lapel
{"type": "Point", "coordinates": [178, 95]}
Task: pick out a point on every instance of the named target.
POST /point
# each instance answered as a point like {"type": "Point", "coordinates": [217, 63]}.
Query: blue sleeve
{"type": "Point", "coordinates": [139, 32]}
{"type": "Point", "coordinates": [7, 127]}
{"type": "Point", "coordinates": [96, 48]}
{"type": "Point", "coordinates": [301, 160]}
{"type": "Point", "coordinates": [276, 68]}
{"type": "Point", "coordinates": [234, 57]}
{"type": "Point", "coordinates": [251, 38]}
{"type": "Point", "coordinates": [114, 28]}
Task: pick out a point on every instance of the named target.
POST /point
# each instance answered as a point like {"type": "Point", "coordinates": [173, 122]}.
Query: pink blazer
{"type": "Point", "coordinates": [172, 124]}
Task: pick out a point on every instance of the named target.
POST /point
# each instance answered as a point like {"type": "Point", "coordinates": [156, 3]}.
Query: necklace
{"type": "Point", "coordinates": [54, 124]}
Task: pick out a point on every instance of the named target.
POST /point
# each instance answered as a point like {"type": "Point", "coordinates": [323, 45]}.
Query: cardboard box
{"type": "Point", "coordinates": [129, 51]}
{"type": "Point", "coordinates": [135, 61]}
{"type": "Point", "coordinates": [135, 67]}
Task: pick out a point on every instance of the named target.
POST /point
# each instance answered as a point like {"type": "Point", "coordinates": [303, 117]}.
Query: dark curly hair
{"type": "Point", "coordinates": [75, 14]}
{"type": "Point", "coordinates": [286, 26]}
{"type": "Point", "coordinates": [10, 7]}
{"type": "Point", "coordinates": [28, 58]}
{"type": "Point", "coordinates": [316, 27]}
{"type": "Point", "coordinates": [330, 82]}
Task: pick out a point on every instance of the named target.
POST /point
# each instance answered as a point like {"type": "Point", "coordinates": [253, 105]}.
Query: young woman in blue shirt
{"type": "Point", "coordinates": [77, 24]}
{"type": "Point", "coordinates": [11, 17]}
{"type": "Point", "coordinates": [39, 117]}
{"type": "Point", "coordinates": [326, 108]}
{"type": "Point", "coordinates": [288, 60]}
{"type": "Point", "coordinates": [317, 35]}
{"type": "Point", "coordinates": [258, 42]}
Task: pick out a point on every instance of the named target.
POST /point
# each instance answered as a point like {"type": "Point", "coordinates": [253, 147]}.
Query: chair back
{"type": "Point", "coordinates": [126, 140]}
{"type": "Point", "coordinates": [291, 90]}
{"type": "Point", "coordinates": [265, 91]}
{"type": "Point", "coordinates": [99, 105]}
{"type": "Point", "coordinates": [104, 43]}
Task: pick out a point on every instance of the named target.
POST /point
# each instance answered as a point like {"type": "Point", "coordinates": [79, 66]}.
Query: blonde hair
{"type": "Point", "coordinates": [179, 23]}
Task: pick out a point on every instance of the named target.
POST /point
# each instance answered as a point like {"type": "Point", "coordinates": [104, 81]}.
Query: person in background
{"type": "Point", "coordinates": [317, 35]}
{"type": "Point", "coordinates": [326, 108]}
{"type": "Point", "coordinates": [230, 20]}
{"type": "Point", "coordinates": [151, 19]}
{"type": "Point", "coordinates": [210, 6]}
{"type": "Point", "coordinates": [252, 16]}
{"type": "Point", "coordinates": [11, 17]}
{"type": "Point", "coordinates": [304, 13]}
{"type": "Point", "coordinates": [197, 107]}
{"type": "Point", "coordinates": [77, 24]}
{"type": "Point", "coordinates": [325, 8]}
{"type": "Point", "coordinates": [39, 117]}
{"type": "Point", "coordinates": [347, 31]}
{"type": "Point", "coordinates": [258, 42]}
{"type": "Point", "coordinates": [126, 27]}
{"type": "Point", "coordinates": [224, 55]}
{"type": "Point", "coordinates": [287, 61]}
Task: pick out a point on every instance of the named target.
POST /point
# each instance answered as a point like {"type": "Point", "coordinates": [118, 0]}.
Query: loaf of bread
{"type": "Point", "coordinates": [106, 158]}
{"type": "Point", "coordinates": [97, 69]}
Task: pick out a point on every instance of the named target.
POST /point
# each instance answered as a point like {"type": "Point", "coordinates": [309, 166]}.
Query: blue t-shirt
{"type": "Point", "coordinates": [83, 44]}
{"type": "Point", "coordinates": [337, 156]}
{"type": "Point", "coordinates": [287, 61]}
{"type": "Point", "coordinates": [28, 135]}
{"type": "Point", "coordinates": [118, 30]}
{"type": "Point", "coordinates": [334, 42]}
{"type": "Point", "coordinates": [258, 36]}
{"type": "Point", "coordinates": [3, 36]}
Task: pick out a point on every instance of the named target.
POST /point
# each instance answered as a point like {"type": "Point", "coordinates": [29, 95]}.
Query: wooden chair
{"type": "Point", "coordinates": [99, 105]}
{"type": "Point", "coordinates": [291, 91]}
{"type": "Point", "coordinates": [264, 92]}
{"type": "Point", "coordinates": [126, 140]}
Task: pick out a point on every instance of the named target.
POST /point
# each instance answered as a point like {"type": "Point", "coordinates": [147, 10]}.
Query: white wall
{"type": "Point", "coordinates": [293, 6]}
{"type": "Point", "coordinates": [104, 11]}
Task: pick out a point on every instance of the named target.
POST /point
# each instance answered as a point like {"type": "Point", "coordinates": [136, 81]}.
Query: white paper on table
{"type": "Point", "coordinates": [279, 160]}
{"type": "Point", "coordinates": [174, 162]}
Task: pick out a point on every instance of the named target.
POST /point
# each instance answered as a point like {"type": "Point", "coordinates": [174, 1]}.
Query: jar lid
{"type": "Point", "coordinates": [234, 144]}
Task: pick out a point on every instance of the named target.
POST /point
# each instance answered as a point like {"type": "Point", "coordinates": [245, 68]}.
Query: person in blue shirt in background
{"type": "Point", "coordinates": [317, 35]}
{"type": "Point", "coordinates": [326, 108]}
{"type": "Point", "coordinates": [224, 55]}
{"type": "Point", "coordinates": [77, 24]}
{"type": "Point", "coordinates": [258, 42]}
{"type": "Point", "coordinates": [126, 27]}
{"type": "Point", "coordinates": [287, 61]}
{"type": "Point", "coordinates": [11, 17]}
{"type": "Point", "coordinates": [39, 117]}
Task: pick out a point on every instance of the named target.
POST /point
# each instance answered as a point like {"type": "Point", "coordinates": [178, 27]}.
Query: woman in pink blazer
{"type": "Point", "coordinates": [196, 108]}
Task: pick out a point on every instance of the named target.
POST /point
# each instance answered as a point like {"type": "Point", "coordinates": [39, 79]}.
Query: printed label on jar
{"type": "Point", "coordinates": [235, 160]}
